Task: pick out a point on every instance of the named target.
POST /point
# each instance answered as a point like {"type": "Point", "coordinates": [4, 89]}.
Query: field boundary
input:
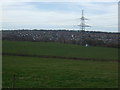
{"type": "Point", "coordinates": [60, 57]}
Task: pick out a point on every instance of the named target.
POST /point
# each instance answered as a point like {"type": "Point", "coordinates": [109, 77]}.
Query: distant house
{"type": "Point", "coordinates": [86, 45]}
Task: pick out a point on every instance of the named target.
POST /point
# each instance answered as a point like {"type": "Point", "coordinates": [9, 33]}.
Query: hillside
{"type": "Point", "coordinates": [22, 69]}
{"type": "Point", "coordinates": [104, 39]}
{"type": "Point", "coordinates": [58, 49]}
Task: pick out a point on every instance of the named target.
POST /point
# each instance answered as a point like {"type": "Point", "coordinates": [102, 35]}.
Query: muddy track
{"type": "Point", "coordinates": [60, 57]}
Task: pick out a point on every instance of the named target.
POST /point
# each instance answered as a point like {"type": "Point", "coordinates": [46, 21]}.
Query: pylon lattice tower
{"type": "Point", "coordinates": [83, 25]}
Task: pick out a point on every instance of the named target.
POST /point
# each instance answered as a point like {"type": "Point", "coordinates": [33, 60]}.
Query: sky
{"type": "Point", "coordinates": [59, 14]}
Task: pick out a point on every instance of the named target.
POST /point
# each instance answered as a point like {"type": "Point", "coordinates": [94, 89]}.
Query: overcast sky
{"type": "Point", "coordinates": [59, 14]}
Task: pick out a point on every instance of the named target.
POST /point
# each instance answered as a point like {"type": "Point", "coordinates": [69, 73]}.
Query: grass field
{"type": "Point", "coordinates": [48, 73]}
{"type": "Point", "coordinates": [58, 73]}
{"type": "Point", "coordinates": [57, 49]}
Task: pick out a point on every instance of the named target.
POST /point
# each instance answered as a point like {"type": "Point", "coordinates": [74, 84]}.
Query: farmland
{"type": "Point", "coordinates": [58, 73]}
{"type": "Point", "coordinates": [58, 49]}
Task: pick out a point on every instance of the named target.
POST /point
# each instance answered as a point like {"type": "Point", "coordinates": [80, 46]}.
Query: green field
{"type": "Point", "coordinates": [58, 73]}
{"type": "Point", "coordinates": [40, 72]}
{"type": "Point", "coordinates": [58, 49]}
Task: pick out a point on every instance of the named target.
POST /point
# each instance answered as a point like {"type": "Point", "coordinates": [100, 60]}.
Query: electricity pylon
{"type": "Point", "coordinates": [83, 25]}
